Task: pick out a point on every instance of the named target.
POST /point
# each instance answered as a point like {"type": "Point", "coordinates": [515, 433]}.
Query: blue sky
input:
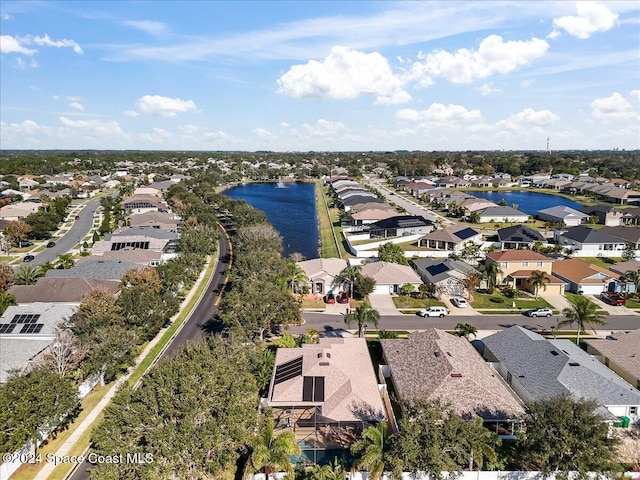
{"type": "Point", "coordinates": [329, 75]}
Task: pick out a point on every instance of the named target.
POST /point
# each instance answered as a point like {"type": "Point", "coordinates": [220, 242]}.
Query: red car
{"type": "Point", "coordinates": [343, 298]}
{"type": "Point", "coordinates": [329, 298]}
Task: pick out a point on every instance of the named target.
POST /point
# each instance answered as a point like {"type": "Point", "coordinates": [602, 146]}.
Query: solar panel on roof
{"type": "Point", "coordinates": [25, 318]}
{"type": "Point", "coordinates": [307, 389]}
{"type": "Point", "coordinates": [414, 222]}
{"type": "Point", "coordinates": [288, 370]}
{"type": "Point", "coordinates": [32, 328]}
{"type": "Point", "coordinates": [7, 327]}
{"type": "Point", "coordinates": [437, 269]}
{"type": "Point", "coordinates": [466, 233]}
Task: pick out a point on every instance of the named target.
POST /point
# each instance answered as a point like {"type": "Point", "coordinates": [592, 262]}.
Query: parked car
{"type": "Point", "coordinates": [25, 243]}
{"type": "Point", "coordinates": [51, 244]}
{"type": "Point", "coordinates": [433, 312]}
{"type": "Point", "coordinates": [343, 298]}
{"type": "Point", "coordinates": [28, 258]}
{"type": "Point", "coordinates": [77, 217]}
{"type": "Point", "coordinates": [329, 298]}
{"type": "Point", "coordinates": [539, 312]}
{"type": "Point", "coordinates": [613, 298]}
{"type": "Point", "coordinates": [459, 302]}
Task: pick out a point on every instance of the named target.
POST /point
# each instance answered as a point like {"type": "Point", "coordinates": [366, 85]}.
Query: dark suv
{"type": "Point", "coordinates": [29, 258]}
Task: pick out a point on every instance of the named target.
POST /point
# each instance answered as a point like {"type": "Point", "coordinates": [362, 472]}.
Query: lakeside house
{"type": "Point", "coordinates": [563, 214]}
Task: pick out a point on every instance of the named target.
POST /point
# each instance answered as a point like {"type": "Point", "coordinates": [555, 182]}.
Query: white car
{"type": "Point", "coordinates": [459, 302]}
{"type": "Point", "coordinates": [433, 312]}
{"type": "Point", "coordinates": [540, 312]}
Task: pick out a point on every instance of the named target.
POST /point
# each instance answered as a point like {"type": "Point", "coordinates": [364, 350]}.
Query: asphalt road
{"type": "Point", "coordinates": [73, 237]}
{"type": "Point", "coordinates": [323, 321]}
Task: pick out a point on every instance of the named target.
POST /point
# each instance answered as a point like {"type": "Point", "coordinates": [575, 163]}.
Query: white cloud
{"type": "Point", "coordinates": [147, 26]}
{"type": "Point", "coordinates": [613, 107]}
{"type": "Point", "coordinates": [47, 42]}
{"type": "Point", "coordinates": [592, 17]}
{"type": "Point", "coordinates": [5, 16]}
{"type": "Point", "coordinates": [343, 74]}
{"type": "Point", "coordinates": [93, 128]}
{"type": "Point", "coordinates": [9, 44]}
{"type": "Point", "coordinates": [492, 56]}
{"type": "Point", "coordinates": [635, 94]}
{"type": "Point", "coordinates": [218, 136]}
{"type": "Point", "coordinates": [22, 65]}
{"type": "Point", "coordinates": [438, 112]}
{"type": "Point", "coordinates": [160, 106]}
{"type": "Point", "coordinates": [528, 118]}
{"type": "Point", "coordinates": [77, 106]}
{"type": "Point", "coordinates": [486, 89]}
{"type": "Point", "coordinates": [263, 134]}
{"type": "Point", "coordinates": [400, 96]}
{"type": "Point", "coordinates": [131, 113]}
{"type": "Point", "coordinates": [526, 83]}
{"type": "Point", "coordinates": [324, 127]}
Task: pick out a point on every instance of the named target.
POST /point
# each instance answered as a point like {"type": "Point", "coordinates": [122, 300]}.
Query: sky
{"type": "Point", "coordinates": [319, 75]}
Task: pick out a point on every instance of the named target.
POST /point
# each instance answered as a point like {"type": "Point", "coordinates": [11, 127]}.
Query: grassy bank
{"type": "Point", "coordinates": [328, 246]}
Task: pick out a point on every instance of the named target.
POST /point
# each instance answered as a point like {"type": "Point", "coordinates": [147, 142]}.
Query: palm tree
{"type": "Point", "coordinates": [491, 270]}
{"type": "Point", "coordinates": [350, 274]}
{"type": "Point", "coordinates": [371, 448]}
{"type": "Point", "coordinates": [26, 275]}
{"type": "Point", "coordinates": [538, 279]}
{"type": "Point", "coordinates": [633, 276]}
{"type": "Point", "coordinates": [65, 261]}
{"type": "Point", "coordinates": [45, 201]}
{"type": "Point", "coordinates": [363, 316]}
{"type": "Point", "coordinates": [582, 312]}
{"type": "Point", "coordinates": [471, 281]}
{"type": "Point", "coordinates": [327, 472]}
{"type": "Point", "coordinates": [424, 290]}
{"type": "Point", "coordinates": [466, 329]}
{"type": "Point", "coordinates": [271, 452]}
{"type": "Point", "coordinates": [295, 275]}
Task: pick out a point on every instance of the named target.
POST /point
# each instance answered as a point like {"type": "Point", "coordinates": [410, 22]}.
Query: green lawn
{"type": "Point", "coordinates": [603, 262]}
{"type": "Point", "coordinates": [328, 247]}
{"type": "Point", "coordinates": [411, 302]}
{"type": "Point", "coordinates": [572, 298]}
{"type": "Point", "coordinates": [635, 304]}
{"type": "Point", "coordinates": [500, 302]}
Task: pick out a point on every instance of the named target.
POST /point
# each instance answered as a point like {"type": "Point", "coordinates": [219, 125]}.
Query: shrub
{"type": "Point", "coordinates": [509, 292]}
{"type": "Point", "coordinates": [496, 300]}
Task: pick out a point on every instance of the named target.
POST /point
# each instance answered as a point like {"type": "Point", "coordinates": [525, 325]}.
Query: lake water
{"type": "Point", "coordinates": [291, 210]}
{"type": "Point", "coordinates": [528, 202]}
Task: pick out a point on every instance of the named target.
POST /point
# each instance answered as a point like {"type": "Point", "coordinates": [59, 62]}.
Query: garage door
{"type": "Point", "coordinates": [381, 289]}
{"type": "Point", "coordinates": [591, 289]}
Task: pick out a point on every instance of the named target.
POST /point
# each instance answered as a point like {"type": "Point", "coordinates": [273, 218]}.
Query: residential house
{"type": "Point", "coordinates": [623, 196]}
{"type": "Point", "coordinates": [624, 267]}
{"type": "Point", "coordinates": [160, 220]}
{"type": "Point", "coordinates": [96, 268]}
{"type": "Point", "coordinates": [27, 183]}
{"type": "Point", "coordinates": [326, 394]}
{"type": "Point", "coordinates": [453, 238]}
{"type": "Point", "coordinates": [135, 204]}
{"type": "Point", "coordinates": [619, 351]}
{"type": "Point", "coordinates": [502, 214]}
{"type": "Point", "coordinates": [538, 369]}
{"type": "Point", "coordinates": [446, 276]}
{"type": "Point", "coordinates": [631, 216]}
{"type": "Point", "coordinates": [144, 238]}
{"type": "Point", "coordinates": [61, 290]}
{"type": "Point", "coordinates": [147, 190]}
{"type": "Point", "coordinates": [473, 204]}
{"type": "Point", "coordinates": [517, 266]}
{"type": "Point", "coordinates": [583, 277]}
{"type": "Point", "coordinates": [145, 258]}
{"type": "Point", "coordinates": [26, 331]}
{"type": "Point", "coordinates": [321, 273]}
{"type": "Point", "coordinates": [433, 365]}
{"type": "Point", "coordinates": [563, 214]}
{"type": "Point", "coordinates": [400, 225]}
{"type": "Point", "coordinates": [352, 203]}
{"type": "Point", "coordinates": [606, 214]}
{"type": "Point", "coordinates": [390, 277]}
{"type": "Point", "coordinates": [518, 236]}
{"type": "Point", "coordinates": [589, 241]}
{"type": "Point", "coordinates": [18, 211]}
{"type": "Point", "coordinates": [625, 233]}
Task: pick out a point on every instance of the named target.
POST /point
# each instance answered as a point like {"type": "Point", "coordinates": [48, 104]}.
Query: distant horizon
{"type": "Point", "coordinates": [333, 76]}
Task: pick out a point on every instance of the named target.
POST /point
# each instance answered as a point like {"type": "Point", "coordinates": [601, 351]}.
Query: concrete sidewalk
{"type": "Point", "coordinates": [73, 439]}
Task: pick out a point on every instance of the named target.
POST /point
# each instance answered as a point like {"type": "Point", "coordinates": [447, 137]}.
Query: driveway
{"type": "Point", "coordinates": [383, 303]}
{"type": "Point", "coordinates": [559, 302]}
{"type": "Point", "coordinates": [610, 309]}
{"type": "Point", "coordinates": [467, 311]}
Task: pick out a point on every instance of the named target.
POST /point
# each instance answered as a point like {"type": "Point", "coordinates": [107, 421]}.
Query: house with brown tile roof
{"type": "Point", "coordinates": [390, 277]}
{"type": "Point", "coordinates": [583, 277]}
{"type": "Point", "coordinates": [435, 365]}
{"type": "Point", "coordinates": [326, 393]}
{"type": "Point", "coordinates": [621, 353]}
{"type": "Point", "coordinates": [162, 220]}
{"type": "Point", "coordinates": [61, 290]}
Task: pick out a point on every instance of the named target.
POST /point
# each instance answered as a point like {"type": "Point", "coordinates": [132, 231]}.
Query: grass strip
{"type": "Point", "coordinates": [328, 246]}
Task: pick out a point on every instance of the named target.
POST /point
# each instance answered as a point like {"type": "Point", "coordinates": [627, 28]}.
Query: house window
{"type": "Point", "coordinates": [503, 265]}
{"type": "Point", "coordinates": [525, 264]}
{"type": "Point", "coordinates": [633, 410]}
{"type": "Point", "coordinates": [539, 264]}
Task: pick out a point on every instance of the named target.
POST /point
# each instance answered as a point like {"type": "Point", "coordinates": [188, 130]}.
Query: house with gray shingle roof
{"type": "Point", "coordinates": [537, 368]}
{"type": "Point", "coordinates": [445, 275]}
{"type": "Point", "coordinates": [502, 214]}
{"type": "Point", "coordinates": [61, 290]}
{"type": "Point", "coordinates": [620, 352]}
{"type": "Point", "coordinates": [92, 267]}
{"type": "Point", "coordinates": [518, 236]}
{"type": "Point", "coordinates": [435, 365]}
{"type": "Point", "coordinates": [26, 331]}
{"type": "Point", "coordinates": [591, 242]}
{"type": "Point", "coordinates": [561, 213]}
